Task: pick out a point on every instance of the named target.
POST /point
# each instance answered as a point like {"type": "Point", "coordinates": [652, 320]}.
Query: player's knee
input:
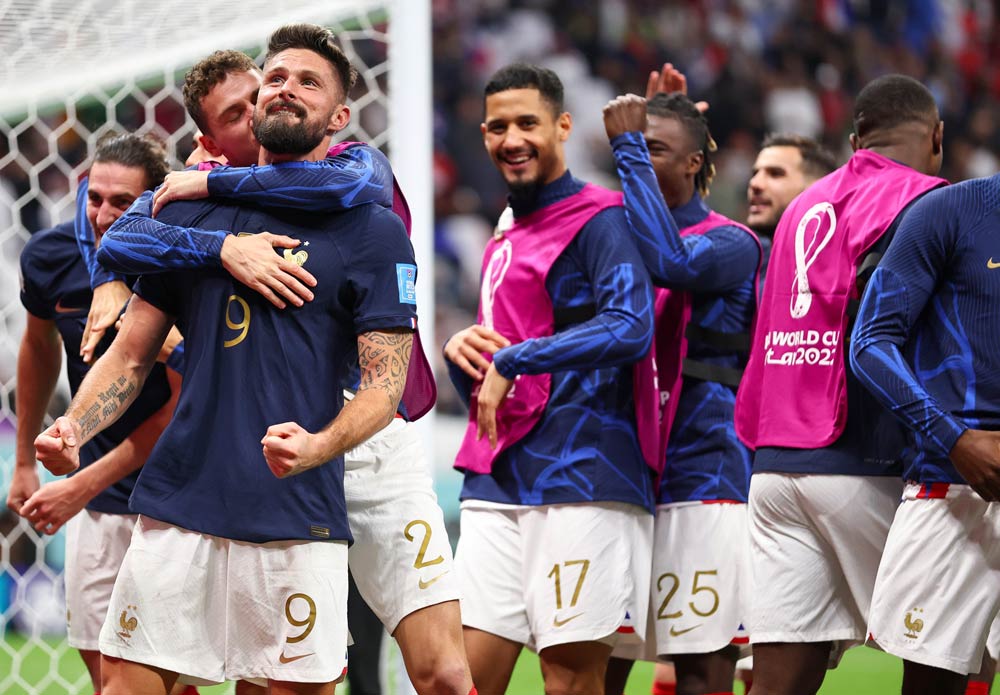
{"type": "Point", "coordinates": [448, 676]}
{"type": "Point", "coordinates": [573, 683]}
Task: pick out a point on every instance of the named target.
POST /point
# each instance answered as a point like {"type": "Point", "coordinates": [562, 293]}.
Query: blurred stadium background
{"type": "Point", "coordinates": [73, 70]}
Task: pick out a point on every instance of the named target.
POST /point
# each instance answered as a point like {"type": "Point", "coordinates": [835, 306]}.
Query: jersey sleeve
{"type": "Point", "coordinates": [137, 244]}
{"type": "Point", "coordinates": [34, 276]}
{"type": "Point", "coordinates": [382, 273]}
{"type": "Point", "coordinates": [720, 260]}
{"type": "Point", "coordinates": [160, 291]}
{"type": "Point", "coordinates": [356, 176]}
{"type": "Point", "coordinates": [99, 275]}
{"type": "Point", "coordinates": [896, 295]}
{"type": "Point", "coordinates": [622, 329]}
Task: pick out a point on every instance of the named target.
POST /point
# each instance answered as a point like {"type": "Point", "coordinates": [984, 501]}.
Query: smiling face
{"type": "Point", "coordinates": [111, 189]}
{"type": "Point", "coordinates": [300, 104]}
{"type": "Point", "coordinates": [524, 138]}
{"type": "Point", "coordinates": [228, 112]}
{"type": "Point", "coordinates": [777, 179]}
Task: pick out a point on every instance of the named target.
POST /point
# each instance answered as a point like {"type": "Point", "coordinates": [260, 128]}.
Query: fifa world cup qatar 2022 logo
{"type": "Point", "coordinates": [815, 230]}
{"type": "Point", "coordinates": [493, 275]}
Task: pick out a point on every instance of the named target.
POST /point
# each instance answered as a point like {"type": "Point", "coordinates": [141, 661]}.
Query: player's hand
{"type": "Point", "coordinates": [670, 80]}
{"type": "Point", "coordinates": [180, 185]}
{"type": "Point", "coordinates": [465, 349]}
{"type": "Point", "coordinates": [105, 308]}
{"type": "Point", "coordinates": [58, 447]}
{"type": "Point", "coordinates": [492, 393]}
{"type": "Point", "coordinates": [252, 260]}
{"type": "Point", "coordinates": [23, 484]}
{"type": "Point", "coordinates": [976, 456]}
{"type": "Point", "coordinates": [172, 340]}
{"type": "Point", "coordinates": [289, 449]}
{"type": "Point", "coordinates": [55, 504]}
{"type": "Point", "coordinates": [625, 114]}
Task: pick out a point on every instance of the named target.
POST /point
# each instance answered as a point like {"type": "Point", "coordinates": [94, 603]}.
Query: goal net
{"type": "Point", "coordinates": [76, 69]}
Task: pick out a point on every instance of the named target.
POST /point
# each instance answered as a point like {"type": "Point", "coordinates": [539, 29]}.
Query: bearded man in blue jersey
{"type": "Point", "coordinates": [243, 574]}
{"type": "Point", "coordinates": [389, 491]}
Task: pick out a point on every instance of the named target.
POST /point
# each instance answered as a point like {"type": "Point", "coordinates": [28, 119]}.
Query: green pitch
{"type": "Point", "coordinates": [40, 670]}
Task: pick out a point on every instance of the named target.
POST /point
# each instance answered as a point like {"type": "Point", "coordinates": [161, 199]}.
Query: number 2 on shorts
{"type": "Point", "coordinates": [420, 561]}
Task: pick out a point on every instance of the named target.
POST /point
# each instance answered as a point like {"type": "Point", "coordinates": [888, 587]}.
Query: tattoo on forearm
{"type": "Point", "coordinates": [383, 358]}
{"type": "Point", "coordinates": [112, 399]}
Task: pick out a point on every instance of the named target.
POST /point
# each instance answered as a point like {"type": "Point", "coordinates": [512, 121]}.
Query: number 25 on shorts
{"type": "Point", "coordinates": [709, 604]}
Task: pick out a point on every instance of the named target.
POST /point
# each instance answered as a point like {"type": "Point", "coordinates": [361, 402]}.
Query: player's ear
{"type": "Point", "coordinates": [564, 126]}
{"type": "Point", "coordinates": [937, 137]}
{"type": "Point", "coordinates": [855, 143]}
{"type": "Point", "coordinates": [695, 160]}
{"type": "Point", "coordinates": [340, 118]}
{"type": "Point", "coordinates": [210, 145]}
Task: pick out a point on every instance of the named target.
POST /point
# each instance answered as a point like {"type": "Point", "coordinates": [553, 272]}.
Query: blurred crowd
{"type": "Point", "coordinates": [763, 66]}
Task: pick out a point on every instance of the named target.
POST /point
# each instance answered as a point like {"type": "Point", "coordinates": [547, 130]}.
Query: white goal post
{"type": "Point", "coordinates": [76, 69]}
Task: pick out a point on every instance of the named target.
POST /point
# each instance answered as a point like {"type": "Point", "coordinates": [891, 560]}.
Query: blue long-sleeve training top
{"type": "Point", "coordinates": [585, 446]}
{"type": "Point", "coordinates": [927, 337]}
{"type": "Point", "coordinates": [705, 460]}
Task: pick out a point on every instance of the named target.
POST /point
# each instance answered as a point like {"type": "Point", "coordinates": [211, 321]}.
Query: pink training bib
{"type": "Point", "coordinates": [794, 390]}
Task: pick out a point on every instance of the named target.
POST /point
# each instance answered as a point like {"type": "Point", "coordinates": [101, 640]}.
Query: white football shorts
{"type": "Point", "coordinates": [555, 574]}
{"type": "Point", "coordinates": [401, 558]}
{"type": "Point", "coordinates": [815, 545]}
{"type": "Point", "coordinates": [95, 547]}
{"type": "Point", "coordinates": [938, 587]}
{"type": "Point", "coordinates": [213, 609]}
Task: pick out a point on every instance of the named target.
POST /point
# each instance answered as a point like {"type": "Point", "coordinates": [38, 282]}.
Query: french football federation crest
{"type": "Point", "coordinates": [913, 625]}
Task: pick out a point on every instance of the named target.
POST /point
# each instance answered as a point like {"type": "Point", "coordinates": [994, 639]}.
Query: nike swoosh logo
{"type": "Point", "coordinates": [289, 659]}
{"type": "Point", "coordinates": [423, 585]}
{"type": "Point", "coordinates": [991, 265]}
{"type": "Point", "coordinates": [674, 632]}
{"type": "Point", "coordinates": [60, 309]}
{"type": "Point", "coordinates": [559, 623]}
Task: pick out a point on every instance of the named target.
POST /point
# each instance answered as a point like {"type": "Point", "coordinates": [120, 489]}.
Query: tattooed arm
{"type": "Point", "coordinates": [383, 357]}
{"type": "Point", "coordinates": [109, 388]}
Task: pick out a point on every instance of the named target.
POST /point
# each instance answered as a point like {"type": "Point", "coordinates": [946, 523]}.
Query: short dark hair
{"type": "Point", "coordinates": [678, 106]}
{"type": "Point", "coordinates": [207, 73]}
{"type": "Point", "coordinates": [527, 76]}
{"type": "Point", "coordinates": [890, 101]}
{"type": "Point", "coordinates": [313, 37]}
{"type": "Point", "coordinates": [140, 151]}
{"type": "Point", "coordinates": [817, 161]}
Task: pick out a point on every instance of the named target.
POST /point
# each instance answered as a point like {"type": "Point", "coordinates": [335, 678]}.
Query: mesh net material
{"type": "Point", "coordinates": [77, 69]}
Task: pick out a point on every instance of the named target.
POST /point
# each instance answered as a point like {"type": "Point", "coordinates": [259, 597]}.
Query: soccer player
{"type": "Point", "coordinates": [708, 265]}
{"type": "Point", "coordinates": [925, 344]}
{"type": "Point", "coordinates": [238, 565]}
{"type": "Point", "coordinates": [56, 292]}
{"type": "Point", "coordinates": [401, 560]}
{"type": "Point", "coordinates": [555, 477]}
{"type": "Point", "coordinates": [786, 165]}
{"type": "Point", "coordinates": [826, 470]}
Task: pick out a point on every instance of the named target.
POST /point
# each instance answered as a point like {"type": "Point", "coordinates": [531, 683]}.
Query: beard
{"type": "Point", "coordinates": [285, 133]}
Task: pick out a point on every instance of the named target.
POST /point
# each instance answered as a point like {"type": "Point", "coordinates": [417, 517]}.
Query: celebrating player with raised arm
{"type": "Point", "coordinates": [825, 474]}
{"type": "Point", "coordinates": [255, 583]}
{"type": "Point", "coordinates": [555, 475]}
{"type": "Point", "coordinates": [708, 265]}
